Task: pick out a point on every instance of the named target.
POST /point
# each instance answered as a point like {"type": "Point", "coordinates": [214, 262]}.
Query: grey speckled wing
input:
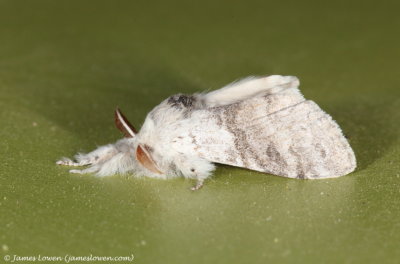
{"type": "Point", "coordinates": [281, 134]}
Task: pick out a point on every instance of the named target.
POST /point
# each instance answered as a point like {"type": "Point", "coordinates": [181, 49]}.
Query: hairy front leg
{"type": "Point", "coordinates": [97, 156]}
{"type": "Point", "coordinates": [105, 160]}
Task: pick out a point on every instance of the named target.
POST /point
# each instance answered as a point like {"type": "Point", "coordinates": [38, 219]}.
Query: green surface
{"type": "Point", "coordinates": [65, 65]}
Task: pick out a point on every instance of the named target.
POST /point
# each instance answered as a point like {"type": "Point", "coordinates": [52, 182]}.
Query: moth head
{"type": "Point", "coordinates": [143, 152]}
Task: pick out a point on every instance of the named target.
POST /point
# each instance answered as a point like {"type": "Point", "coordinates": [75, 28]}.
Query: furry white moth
{"type": "Point", "coordinates": [262, 124]}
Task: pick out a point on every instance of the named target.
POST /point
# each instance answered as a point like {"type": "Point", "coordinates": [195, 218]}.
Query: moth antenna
{"type": "Point", "coordinates": [123, 124]}
{"type": "Point", "coordinates": [145, 159]}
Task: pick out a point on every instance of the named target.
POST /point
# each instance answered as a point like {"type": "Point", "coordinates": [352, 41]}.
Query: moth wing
{"type": "Point", "coordinates": [281, 134]}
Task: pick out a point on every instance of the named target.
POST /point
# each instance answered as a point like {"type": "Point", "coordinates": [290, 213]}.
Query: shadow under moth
{"type": "Point", "coordinates": [259, 123]}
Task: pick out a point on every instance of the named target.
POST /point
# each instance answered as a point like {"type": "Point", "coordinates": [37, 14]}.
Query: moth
{"type": "Point", "coordinates": [259, 123]}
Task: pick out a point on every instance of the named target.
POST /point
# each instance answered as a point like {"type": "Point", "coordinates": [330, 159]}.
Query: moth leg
{"type": "Point", "coordinates": [121, 162]}
{"type": "Point", "coordinates": [198, 185]}
{"type": "Point", "coordinates": [67, 162]}
{"type": "Point", "coordinates": [99, 155]}
{"type": "Point", "coordinates": [92, 169]}
{"type": "Point", "coordinates": [249, 87]}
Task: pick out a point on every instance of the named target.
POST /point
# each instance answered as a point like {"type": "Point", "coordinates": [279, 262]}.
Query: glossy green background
{"type": "Point", "coordinates": [65, 65]}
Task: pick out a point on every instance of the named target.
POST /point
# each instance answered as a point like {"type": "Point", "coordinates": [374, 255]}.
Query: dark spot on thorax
{"type": "Point", "coordinates": [182, 101]}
